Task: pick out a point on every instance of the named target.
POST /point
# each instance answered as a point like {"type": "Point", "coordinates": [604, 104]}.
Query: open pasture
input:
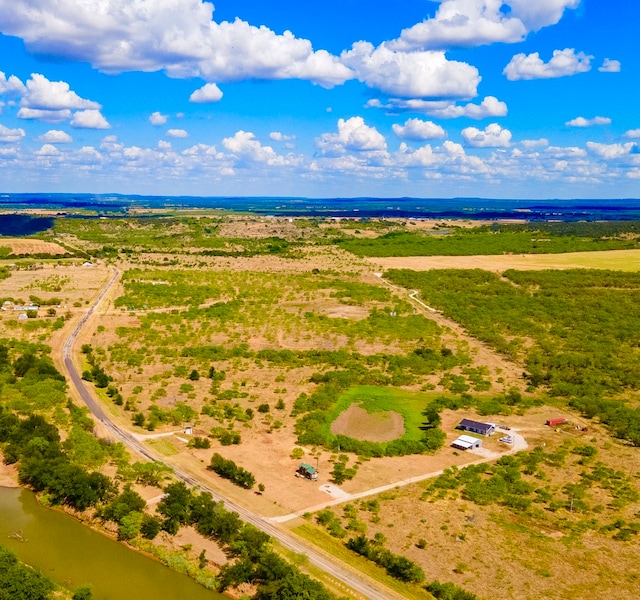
{"type": "Point", "coordinates": [25, 246]}
{"type": "Point", "coordinates": [615, 260]}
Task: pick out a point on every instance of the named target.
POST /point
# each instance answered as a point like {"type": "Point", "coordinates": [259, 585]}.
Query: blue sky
{"type": "Point", "coordinates": [513, 99]}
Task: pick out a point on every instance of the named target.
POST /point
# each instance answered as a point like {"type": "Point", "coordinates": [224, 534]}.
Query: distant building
{"type": "Point", "coordinates": [466, 442]}
{"type": "Point", "coordinates": [555, 422]}
{"type": "Point", "coordinates": [25, 308]}
{"type": "Point", "coordinates": [477, 427]}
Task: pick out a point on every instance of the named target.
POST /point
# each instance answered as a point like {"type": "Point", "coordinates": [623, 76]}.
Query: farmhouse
{"type": "Point", "coordinates": [477, 427]}
{"type": "Point", "coordinates": [466, 442]}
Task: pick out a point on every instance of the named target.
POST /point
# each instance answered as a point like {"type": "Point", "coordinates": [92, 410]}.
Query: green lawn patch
{"type": "Point", "coordinates": [375, 399]}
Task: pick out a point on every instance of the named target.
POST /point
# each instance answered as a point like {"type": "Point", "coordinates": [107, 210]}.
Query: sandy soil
{"type": "Point", "coordinates": [357, 423]}
{"type": "Point", "coordinates": [8, 476]}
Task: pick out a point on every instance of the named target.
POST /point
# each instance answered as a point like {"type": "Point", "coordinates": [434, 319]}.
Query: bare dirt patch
{"type": "Point", "coordinates": [29, 246]}
{"type": "Point", "coordinates": [357, 423]}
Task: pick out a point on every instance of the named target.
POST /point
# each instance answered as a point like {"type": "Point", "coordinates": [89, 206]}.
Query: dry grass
{"type": "Point", "coordinates": [616, 260]}
{"type": "Point", "coordinates": [29, 246]}
{"type": "Point", "coordinates": [357, 423]}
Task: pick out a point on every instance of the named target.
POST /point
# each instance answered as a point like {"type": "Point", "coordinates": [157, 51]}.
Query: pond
{"type": "Point", "coordinates": [73, 555]}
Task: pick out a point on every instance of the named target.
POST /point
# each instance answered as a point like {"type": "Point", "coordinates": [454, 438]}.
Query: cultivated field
{"type": "Point", "coordinates": [21, 246]}
{"type": "Point", "coordinates": [616, 260]}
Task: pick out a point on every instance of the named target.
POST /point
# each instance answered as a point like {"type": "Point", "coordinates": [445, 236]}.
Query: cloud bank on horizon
{"type": "Point", "coordinates": [473, 97]}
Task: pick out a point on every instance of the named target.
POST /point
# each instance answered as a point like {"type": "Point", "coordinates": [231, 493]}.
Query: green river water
{"type": "Point", "coordinates": [73, 555]}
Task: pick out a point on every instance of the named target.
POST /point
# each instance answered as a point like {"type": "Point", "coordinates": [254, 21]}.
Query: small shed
{"type": "Point", "coordinates": [466, 442]}
{"type": "Point", "coordinates": [555, 422]}
{"type": "Point", "coordinates": [477, 427]}
{"type": "Point", "coordinates": [307, 471]}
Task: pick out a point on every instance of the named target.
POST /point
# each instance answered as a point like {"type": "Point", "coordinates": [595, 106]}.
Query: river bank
{"type": "Point", "coordinates": [72, 554]}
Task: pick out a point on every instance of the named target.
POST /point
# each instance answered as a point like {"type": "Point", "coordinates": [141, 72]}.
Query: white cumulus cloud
{"type": "Point", "coordinates": [632, 133]}
{"type": "Point", "coordinates": [445, 109]}
{"type": "Point", "coordinates": [47, 150]}
{"type": "Point", "coordinates": [89, 119]}
{"type": "Point", "coordinates": [416, 129]}
{"type": "Point", "coordinates": [470, 23]}
{"type": "Point", "coordinates": [277, 136]}
{"type": "Point", "coordinates": [411, 74]}
{"type": "Point", "coordinates": [582, 122]}
{"type": "Point", "coordinates": [177, 133]}
{"type": "Point", "coordinates": [11, 135]}
{"type": "Point", "coordinates": [562, 64]}
{"type": "Point", "coordinates": [11, 86]}
{"type": "Point", "coordinates": [48, 116]}
{"type": "Point", "coordinates": [610, 66]}
{"type": "Point", "coordinates": [209, 92]}
{"type": "Point", "coordinates": [493, 136]}
{"type": "Point", "coordinates": [610, 151]}
{"type": "Point", "coordinates": [42, 94]}
{"type": "Point", "coordinates": [157, 119]}
{"type": "Point", "coordinates": [55, 136]}
{"type": "Point", "coordinates": [177, 36]}
{"type": "Point", "coordinates": [354, 135]}
{"type": "Point", "coordinates": [246, 147]}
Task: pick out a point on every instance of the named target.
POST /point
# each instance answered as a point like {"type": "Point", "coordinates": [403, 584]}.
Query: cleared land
{"type": "Point", "coordinates": [31, 246]}
{"type": "Point", "coordinates": [357, 423]}
{"type": "Point", "coordinates": [616, 260]}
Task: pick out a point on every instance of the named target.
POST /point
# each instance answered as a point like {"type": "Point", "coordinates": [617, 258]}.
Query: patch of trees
{"type": "Point", "coordinates": [228, 469]}
{"type": "Point", "coordinates": [96, 373]}
{"type": "Point", "coordinates": [127, 510]}
{"type": "Point", "coordinates": [448, 591]}
{"type": "Point", "coordinates": [251, 559]}
{"type": "Point", "coordinates": [20, 582]}
{"type": "Point", "coordinates": [623, 420]}
{"type": "Point", "coordinates": [530, 238]}
{"type": "Point", "coordinates": [396, 565]}
{"type": "Point", "coordinates": [514, 481]}
{"type": "Point", "coordinates": [583, 323]}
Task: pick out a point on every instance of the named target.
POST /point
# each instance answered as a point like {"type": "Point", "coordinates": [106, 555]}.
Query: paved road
{"type": "Point", "coordinates": [352, 580]}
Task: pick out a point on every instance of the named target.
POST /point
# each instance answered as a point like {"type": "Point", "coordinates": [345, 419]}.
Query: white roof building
{"type": "Point", "coordinates": [466, 442]}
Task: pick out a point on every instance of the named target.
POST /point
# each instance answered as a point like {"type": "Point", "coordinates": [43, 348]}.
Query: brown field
{"type": "Point", "coordinates": [29, 246]}
{"type": "Point", "coordinates": [357, 423]}
{"type": "Point", "coordinates": [616, 260]}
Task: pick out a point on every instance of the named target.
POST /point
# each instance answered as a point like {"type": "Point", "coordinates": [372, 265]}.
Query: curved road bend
{"type": "Point", "coordinates": [352, 580]}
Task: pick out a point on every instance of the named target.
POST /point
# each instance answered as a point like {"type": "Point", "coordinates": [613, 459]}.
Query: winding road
{"type": "Point", "coordinates": [351, 579]}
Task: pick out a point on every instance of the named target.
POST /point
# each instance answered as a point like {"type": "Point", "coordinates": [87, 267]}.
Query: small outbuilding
{"type": "Point", "coordinates": [466, 442]}
{"type": "Point", "coordinates": [477, 427]}
{"type": "Point", "coordinates": [555, 422]}
{"type": "Point", "coordinates": [307, 471]}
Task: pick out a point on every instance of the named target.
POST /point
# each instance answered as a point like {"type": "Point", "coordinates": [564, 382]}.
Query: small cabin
{"type": "Point", "coordinates": [477, 427]}
{"type": "Point", "coordinates": [307, 471]}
